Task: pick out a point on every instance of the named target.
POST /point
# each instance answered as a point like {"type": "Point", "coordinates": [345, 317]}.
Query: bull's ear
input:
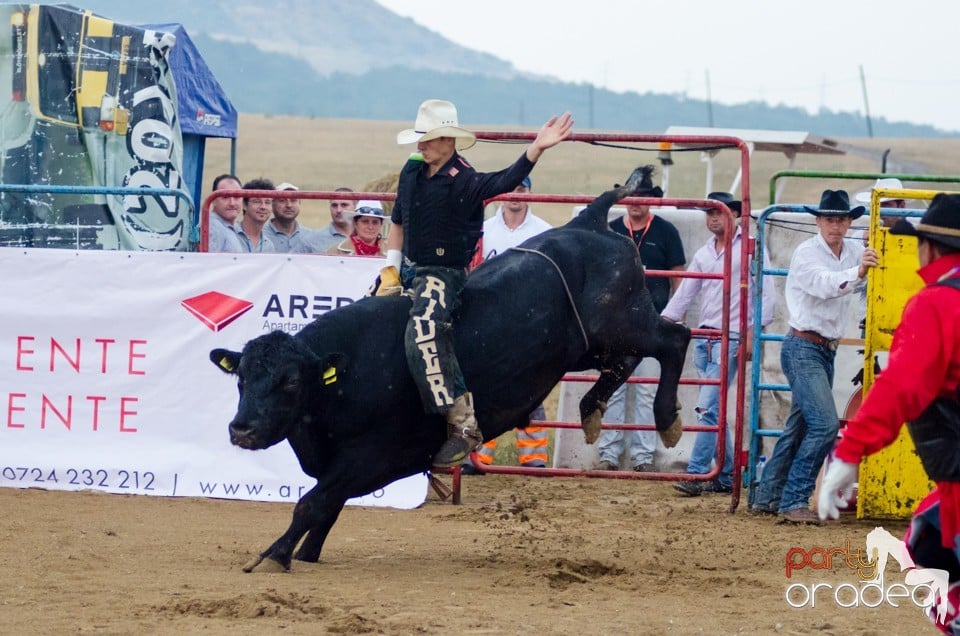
{"type": "Point", "coordinates": [226, 360]}
{"type": "Point", "coordinates": [332, 368]}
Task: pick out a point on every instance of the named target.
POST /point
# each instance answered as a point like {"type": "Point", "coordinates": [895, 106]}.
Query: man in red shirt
{"type": "Point", "coordinates": [920, 387]}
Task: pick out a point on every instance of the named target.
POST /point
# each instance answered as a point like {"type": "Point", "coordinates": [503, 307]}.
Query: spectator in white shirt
{"type": "Point", "coordinates": [706, 353]}
{"type": "Point", "coordinates": [886, 203]}
{"type": "Point", "coordinates": [513, 224]}
{"type": "Point", "coordinates": [890, 183]}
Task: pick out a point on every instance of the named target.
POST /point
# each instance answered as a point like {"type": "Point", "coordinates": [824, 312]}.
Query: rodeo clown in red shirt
{"type": "Point", "coordinates": [919, 386]}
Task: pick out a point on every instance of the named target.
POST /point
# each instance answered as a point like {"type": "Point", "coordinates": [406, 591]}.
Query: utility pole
{"type": "Point", "coordinates": [866, 104]}
{"type": "Point", "coordinates": [591, 95]}
{"type": "Point", "coordinates": [709, 101]}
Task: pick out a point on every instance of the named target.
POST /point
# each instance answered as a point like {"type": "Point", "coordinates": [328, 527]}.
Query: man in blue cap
{"type": "Point", "coordinates": [513, 224]}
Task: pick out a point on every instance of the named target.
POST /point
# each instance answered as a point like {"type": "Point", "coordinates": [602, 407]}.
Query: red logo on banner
{"type": "Point", "coordinates": [216, 310]}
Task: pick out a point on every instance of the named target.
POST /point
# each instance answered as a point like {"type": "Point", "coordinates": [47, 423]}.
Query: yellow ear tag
{"type": "Point", "coordinates": [330, 375]}
{"type": "Point", "coordinates": [225, 364]}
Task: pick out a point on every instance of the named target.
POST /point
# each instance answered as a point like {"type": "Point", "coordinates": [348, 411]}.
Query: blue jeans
{"type": "Point", "coordinates": [706, 359]}
{"type": "Point", "coordinates": [810, 432]}
{"type": "Point", "coordinates": [642, 443]}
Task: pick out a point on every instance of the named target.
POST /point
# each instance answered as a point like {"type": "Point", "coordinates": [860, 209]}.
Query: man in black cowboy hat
{"type": "Point", "coordinates": [707, 351]}
{"type": "Point", "coordinates": [919, 386]}
{"type": "Point", "coordinates": [660, 248]}
{"type": "Point", "coordinates": [824, 272]}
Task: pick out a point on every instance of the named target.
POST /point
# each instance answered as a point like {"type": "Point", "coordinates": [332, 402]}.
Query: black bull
{"type": "Point", "coordinates": [340, 392]}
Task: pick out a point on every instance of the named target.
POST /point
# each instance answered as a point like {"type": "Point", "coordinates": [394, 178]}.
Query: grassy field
{"type": "Point", "coordinates": [323, 154]}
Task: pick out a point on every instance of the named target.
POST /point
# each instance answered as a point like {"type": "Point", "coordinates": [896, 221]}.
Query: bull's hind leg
{"type": "Point", "coordinates": [594, 403]}
{"type": "Point", "coordinates": [313, 515]}
{"type": "Point", "coordinates": [672, 340]}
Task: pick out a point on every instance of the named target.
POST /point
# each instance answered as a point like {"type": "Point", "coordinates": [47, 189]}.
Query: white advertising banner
{"type": "Point", "coordinates": [105, 380]}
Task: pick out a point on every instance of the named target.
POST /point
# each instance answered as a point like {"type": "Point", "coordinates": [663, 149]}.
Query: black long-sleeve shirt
{"type": "Point", "coordinates": [442, 215]}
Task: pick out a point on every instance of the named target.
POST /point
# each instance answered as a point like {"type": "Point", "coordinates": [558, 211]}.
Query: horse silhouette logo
{"type": "Point", "coordinates": [882, 545]}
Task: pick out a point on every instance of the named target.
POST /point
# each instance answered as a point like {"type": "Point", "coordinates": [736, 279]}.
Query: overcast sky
{"type": "Point", "coordinates": [806, 54]}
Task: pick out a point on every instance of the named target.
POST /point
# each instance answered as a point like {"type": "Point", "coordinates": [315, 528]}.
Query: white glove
{"type": "Point", "coordinates": [836, 488]}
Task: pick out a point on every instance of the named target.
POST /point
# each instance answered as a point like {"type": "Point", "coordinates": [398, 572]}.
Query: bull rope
{"type": "Point", "coordinates": [566, 288]}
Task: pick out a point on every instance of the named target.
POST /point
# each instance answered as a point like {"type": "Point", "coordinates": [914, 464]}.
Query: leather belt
{"type": "Point", "coordinates": [815, 338]}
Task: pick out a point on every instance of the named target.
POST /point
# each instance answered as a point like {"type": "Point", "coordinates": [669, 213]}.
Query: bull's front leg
{"type": "Point", "coordinates": [594, 403]}
{"type": "Point", "coordinates": [309, 550]}
{"type": "Point", "coordinates": [314, 513]}
{"type": "Point", "coordinates": [672, 339]}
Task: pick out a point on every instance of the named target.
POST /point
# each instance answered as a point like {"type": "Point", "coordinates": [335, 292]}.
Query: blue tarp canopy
{"type": "Point", "coordinates": [97, 103]}
{"type": "Point", "coordinates": [203, 107]}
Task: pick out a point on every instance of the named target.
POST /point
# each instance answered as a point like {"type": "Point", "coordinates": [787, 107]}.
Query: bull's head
{"type": "Point", "coordinates": [276, 374]}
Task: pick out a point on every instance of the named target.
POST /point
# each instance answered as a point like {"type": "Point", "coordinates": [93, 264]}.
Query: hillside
{"type": "Point", "coordinates": [345, 36]}
{"type": "Point", "coordinates": [356, 59]}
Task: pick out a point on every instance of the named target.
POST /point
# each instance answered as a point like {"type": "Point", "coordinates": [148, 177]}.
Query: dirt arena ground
{"type": "Point", "coordinates": [546, 556]}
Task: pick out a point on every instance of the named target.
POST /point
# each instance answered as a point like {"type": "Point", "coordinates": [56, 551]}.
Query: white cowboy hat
{"type": "Point", "coordinates": [369, 208]}
{"type": "Point", "coordinates": [437, 118]}
{"type": "Point", "coordinates": [887, 184]}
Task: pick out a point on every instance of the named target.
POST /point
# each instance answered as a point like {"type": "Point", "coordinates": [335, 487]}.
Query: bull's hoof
{"type": "Point", "coordinates": [672, 435]}
{"type": "Point", "coordinates": [592, 426]}
{"type": "Point", "coordinates": [261, 564]}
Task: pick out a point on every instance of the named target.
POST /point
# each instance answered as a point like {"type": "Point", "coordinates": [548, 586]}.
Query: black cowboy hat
{"type": "Point", "coordinates": [645, 188]}
{"type": "Point", "coordinates": [727, 199]}
{"type": "Point", "coordinates": [836, 203]}
{"type": "Point", "coordinates": [940, 223]}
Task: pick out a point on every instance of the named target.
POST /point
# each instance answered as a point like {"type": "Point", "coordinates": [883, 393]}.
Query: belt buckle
{"type": "Point", "coordinates": [831, 344]}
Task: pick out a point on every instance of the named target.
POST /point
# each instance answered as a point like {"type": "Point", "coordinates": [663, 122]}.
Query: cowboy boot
{"type": "Point", "coordinates": [463, 434]}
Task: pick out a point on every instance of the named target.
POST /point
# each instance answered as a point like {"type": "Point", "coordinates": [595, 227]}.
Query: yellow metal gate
{"type": "Point", "coordinates": [892, 482]}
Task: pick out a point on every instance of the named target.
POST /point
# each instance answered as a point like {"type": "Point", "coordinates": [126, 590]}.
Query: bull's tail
{"type": "Point", "coordinates": [595, 215]}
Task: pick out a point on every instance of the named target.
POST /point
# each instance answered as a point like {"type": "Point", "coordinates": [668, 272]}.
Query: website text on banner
{"type": "Point", "coordinates": [105, 379]}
